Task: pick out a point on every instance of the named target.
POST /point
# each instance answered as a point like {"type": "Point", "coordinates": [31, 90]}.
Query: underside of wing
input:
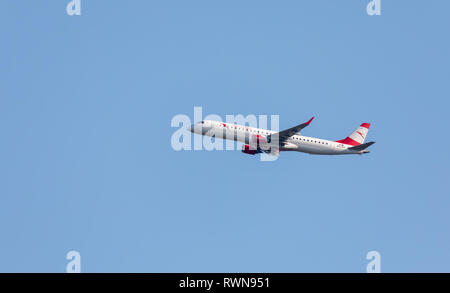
{"type": "Point", "coordinates": [282, 136]}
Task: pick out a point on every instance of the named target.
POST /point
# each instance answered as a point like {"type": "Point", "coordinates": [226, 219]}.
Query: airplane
{"type": "Point", "coordinates": [257, 140]}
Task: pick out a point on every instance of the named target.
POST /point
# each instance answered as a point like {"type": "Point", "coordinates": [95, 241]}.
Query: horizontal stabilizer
{"type": "Point", "coordinates": [362, 146]}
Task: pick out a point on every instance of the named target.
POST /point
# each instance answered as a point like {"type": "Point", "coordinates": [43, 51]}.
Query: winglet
{"type": "Point", "coordinates": [309, 121]}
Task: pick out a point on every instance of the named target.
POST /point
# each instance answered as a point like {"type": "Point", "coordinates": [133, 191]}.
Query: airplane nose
{"type": "Point", "coordinates": [190, 128]}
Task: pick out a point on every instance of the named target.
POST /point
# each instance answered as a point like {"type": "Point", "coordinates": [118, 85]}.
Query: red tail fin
{"type": "Point", "coordinates": [358, 136]}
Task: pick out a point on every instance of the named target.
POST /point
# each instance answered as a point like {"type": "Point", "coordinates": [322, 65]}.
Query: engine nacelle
{"type": "Point", "coordinates": [289, 146]}
{"type": "Point", "coordinates": [259, 142]}
{"type": "Point", "coordinates": [246, 149]}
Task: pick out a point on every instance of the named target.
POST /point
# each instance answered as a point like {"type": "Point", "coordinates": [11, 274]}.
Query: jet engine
{"type": "Point", "coordinates": [247, 149]}
{"type": "Point", "coordinates": [259, 142]}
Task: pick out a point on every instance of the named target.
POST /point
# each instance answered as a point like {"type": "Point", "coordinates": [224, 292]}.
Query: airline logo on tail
{"type": "Point", "coordinates": [358, 136]}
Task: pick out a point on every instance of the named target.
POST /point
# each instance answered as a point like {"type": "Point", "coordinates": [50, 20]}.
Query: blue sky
{"type": "Point", "coordinates": [86, 162]}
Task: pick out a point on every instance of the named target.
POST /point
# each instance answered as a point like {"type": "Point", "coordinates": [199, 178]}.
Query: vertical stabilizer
{"type": "Point", "coordinates": [358, 136]}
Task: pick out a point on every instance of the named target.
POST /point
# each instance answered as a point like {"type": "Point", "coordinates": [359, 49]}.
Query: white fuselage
{"type": "Point", "coordinates": [298, 143]}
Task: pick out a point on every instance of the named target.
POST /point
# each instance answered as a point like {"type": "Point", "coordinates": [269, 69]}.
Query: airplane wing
{"type": "Point", "coordinates": [285, 134]}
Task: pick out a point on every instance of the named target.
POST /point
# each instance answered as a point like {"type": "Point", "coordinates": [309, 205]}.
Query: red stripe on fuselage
{"type": "Point", "coordinates": [348, 141]}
